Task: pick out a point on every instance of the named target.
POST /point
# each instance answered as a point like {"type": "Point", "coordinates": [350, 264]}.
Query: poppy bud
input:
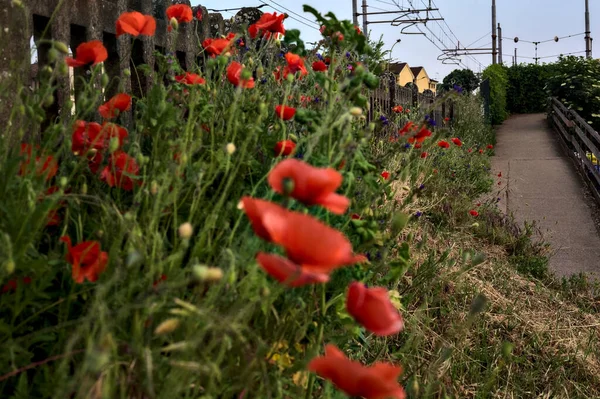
{"type": "Point", "coordinates": [53, 55]}
{"type": "Point", "coordinates": [262, 107]}
{"type": "Point", "coordinates": [154, 187]}
{"type": "Point", "coordinates": [174, 24]}
{"type": "Point", "coordinates": [84, 189]}
{"type": "Point", "coordinates": [127, 72]}
{"type": "Point", "coordinates": [475, 225]}
{"type": "Point", "coordinates": [186, 230]}
{"type": "Point", "coordinates": [246, 74]}
{"type": "Point", "coordinates": [211, 63]}
{"type": "Point", "coordinates": [293, 137]}
{"type": "Point", "coordinates": [288, 186]}
{"type": "Point", "coordinates": [230, 148]}
{"type": "Point", "coordinates": [265, 291]}
{"type": "Point", "coordinates": [129, 216]}
{"type": "Point", "coordinates": [63, 182]}
{"type": "Point", "coordinates": [222, 60]}
{"type": "Point", "coordinates": [260, 71]}
{"type": "Point", "coordinates": [290, 78]}
{"type": "Point", "coordinates": [356, 111]}
{"type": "Point", "coordinates": [113, 144]}
{"type": "Point", "coordinates": [60, 46]}
{"type": "Point", "coordinates": [9, 265]}
{"type": "Point", "coordinates": [208, 274]}
{"type": "Point", "coordinates": [167, 326]}
{"type": "Point", "coordinates": [139, 157]}
{"type": "Point", "coordinates": [104, 80]}
{"type": "Point", "coordinates": [371, 81]}
{"type": "Point", "coordinates": [47, 70]}
{"type": "Point", "coordinates": [49, 100]}
{"type": "Point", "coordinates": [250, 61]}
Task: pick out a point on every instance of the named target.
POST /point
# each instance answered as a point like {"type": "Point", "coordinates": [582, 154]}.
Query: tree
{"type": "Point", "coordinates": [465, 78]}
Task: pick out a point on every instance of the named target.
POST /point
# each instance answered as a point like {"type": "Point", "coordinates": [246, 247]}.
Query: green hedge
{"type": "Point", "coordinates": [498, 77]}
{"type": "Point", "coordinates": [527, 87]}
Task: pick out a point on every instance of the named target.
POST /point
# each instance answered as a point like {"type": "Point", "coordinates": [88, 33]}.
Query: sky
{"type": "Point", "coordinates": [465, 20]}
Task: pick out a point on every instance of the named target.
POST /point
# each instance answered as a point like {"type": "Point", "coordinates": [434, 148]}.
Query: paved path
{"type": "Point", "coordinates": [541, 183]}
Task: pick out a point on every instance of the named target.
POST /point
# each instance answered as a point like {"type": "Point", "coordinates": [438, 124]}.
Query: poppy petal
{"type": "Point", "coordinates": [287, 272]}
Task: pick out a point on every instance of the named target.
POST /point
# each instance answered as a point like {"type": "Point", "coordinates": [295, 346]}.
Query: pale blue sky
{"type": "Point", "coordinates": [532, 20]}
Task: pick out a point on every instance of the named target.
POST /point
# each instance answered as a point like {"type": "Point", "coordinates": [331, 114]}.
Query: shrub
{"type": "Point", "coordinates": [575, 82]}
{"type": "Point", "coordinates": [498, 78]}
{"type": "Point", "coordinates": [527, 88]}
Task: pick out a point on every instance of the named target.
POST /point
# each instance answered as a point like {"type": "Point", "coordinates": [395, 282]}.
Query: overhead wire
{"type": "Point", "coordinates": [314, 26]}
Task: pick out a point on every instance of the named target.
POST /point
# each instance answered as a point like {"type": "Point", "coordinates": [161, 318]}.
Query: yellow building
{"type": "Point", "coordinates": [415, 75]}
{"type": "Point", "coordinates": [405, 75]}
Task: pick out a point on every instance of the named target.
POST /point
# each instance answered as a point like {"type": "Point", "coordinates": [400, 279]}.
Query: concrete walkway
{"type": "Point", "coordinates": [541, 183]}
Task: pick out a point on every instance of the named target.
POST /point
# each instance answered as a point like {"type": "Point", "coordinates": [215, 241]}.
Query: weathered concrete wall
{"type": "Point", "coordinates": [78, 21]}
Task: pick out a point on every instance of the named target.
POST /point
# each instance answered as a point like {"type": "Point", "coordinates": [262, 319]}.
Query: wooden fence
{"type": "Point", "coordinates": [389, 94]}
{"type": "Point", "coordinates": [581, 141]}
{"type": "Point", "coordinates": [76, 21]}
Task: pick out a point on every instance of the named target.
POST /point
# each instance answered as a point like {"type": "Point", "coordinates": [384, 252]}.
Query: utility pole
{"type": "Point", "coordinates": [494, 36]}
{"type": "Point", "coordinates": [516, 62]}
{"type": "Point", "coordinates": [499, 45]}
{"type": "Point", "coordinates": [364, 15]}
{"type": "Point", "coordinates": [588, 39]}
{"type": "Point", "coordinates": [355, 12]}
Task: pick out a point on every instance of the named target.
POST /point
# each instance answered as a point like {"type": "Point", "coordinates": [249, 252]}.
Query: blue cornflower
{"type": "Point", "coordinates": [384, 120]}
{"type": "Point", "coordinates": [320, 57]}
{"type": "Point", "coordinates": [418, 214]}
{"type": "Point", "coordinates": [458, 89]}
{"type": "Point", "coordinates": [421, 187]}
{"type": "Point", "coordinates": [406, 145]}
{"type": "Point", "coordinates": [347, 54]}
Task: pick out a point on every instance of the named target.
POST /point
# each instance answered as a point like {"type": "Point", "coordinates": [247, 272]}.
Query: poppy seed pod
{"type": "Point", "coordinates": [186, 230]}
{"type": "Point", "coordinates": [173, 23]}
{"type": "Point", "coordinates": [167, 326]}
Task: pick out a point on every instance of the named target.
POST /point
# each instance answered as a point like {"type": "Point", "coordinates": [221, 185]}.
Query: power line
{"type": "Point", "coordinates": [314, 26]}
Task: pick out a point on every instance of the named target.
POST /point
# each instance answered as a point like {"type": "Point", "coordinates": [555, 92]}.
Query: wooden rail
{"type": "Point", "coordinates": [581, 141]}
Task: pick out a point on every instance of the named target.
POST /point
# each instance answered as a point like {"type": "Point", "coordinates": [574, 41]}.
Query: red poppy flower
{"type": "Point", "coordinates": [253, 31]}
{"type": "Point", "coordinates": [135, 23]}
{"type": "Point", "coordinates": [181, 12]}
{"type": "Point", "coordinates": [311, 186]}
{"type": "Point", "coordinates": [93, 136]}
{"type": "Point", "coordinates": [490, 147]}
{"type": "Point", "coordinates": [470, 150]}
{"type": "Point", "coordinates": [234, 75]}
{"type": "Point", "coordinates": [398, 109]}
{"type": "Point", "coordinates": [268, 24]}
{"type": "Point", "coordinates": [121, 102]}
{"type": "Point", "coordinates": [319, 66]}
{"type": "Point", "coordinates": [379, 381]}
{"type": "Point", "coordinates": [45, 166]}
{"type": "Point", "coordinates": [92, 52]}
{"type": "Point", "coordinates": [12, 284]}
{"type": "Point", "coordinates": [306, 240]}
{"type": "Point", "coordinates": [199, 14]}
{"type": "Point", "coordinates": [481, 151]}
{"type": "Point", "coordinates": [423, 155]}
{"type": "Point", "coordinates": [214, 47]}
{"type": "Point", "coordinates": [474, 213]}
{"type": "Point", "coordinates": [87, 259]}
{"type": "Point", "coordinates": [295, 64]}
{"type": "Point", "coordinates": [287, 272]}
{"type": "Point", "coordinates": [418, 145]}
{"type": "Point", "coordinates": [443, 144]}
{"type": "Point", "coordinates": [162, 278]}
{"type": "Point", "coordinates": [190, 79]}
{"type": "Point", "coordinates": [420, 136]}
{"type": "Point", "coordinates": [119, 171]}
{"type": "Point", "coordinates": [357, 29]}
{"type": "Point", "coordinates": [284, 148]}
{"type": "Point", "coordinates": [341, 164]}
{"type": "Point", "coordinates": [446, 119]}
{"type": "Point", "coordinates": [385, 174]}
{"type": "Point", "coordinates": [457, 141]}
{"type": "Point", "coordinates": [500, 174]}
{"type": "Point", "coordinates": [372, 308]}
{"type": "Point", "coordinates": [284, 112]}
{"type": "Point", "coordinates": [355, 216]}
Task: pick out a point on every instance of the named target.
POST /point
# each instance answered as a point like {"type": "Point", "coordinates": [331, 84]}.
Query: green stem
{"type": "Point", "coordinates": [311, 379]}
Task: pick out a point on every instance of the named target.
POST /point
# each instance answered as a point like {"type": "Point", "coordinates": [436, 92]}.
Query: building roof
{"type": "Point", "coordinates": [433, 81]}
{"type": "Point", "coordinates": [416, 70]}
{"type": "Point", "coordinates": [397, 67]}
